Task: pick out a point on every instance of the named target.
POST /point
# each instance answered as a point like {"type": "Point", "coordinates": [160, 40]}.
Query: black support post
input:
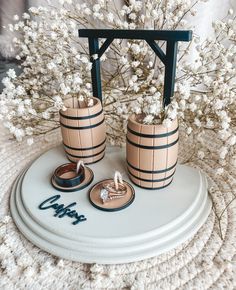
{"type": "Point", "coordinates": [95, 72]}
{"type": "Point", "coordinates": [170, 69]}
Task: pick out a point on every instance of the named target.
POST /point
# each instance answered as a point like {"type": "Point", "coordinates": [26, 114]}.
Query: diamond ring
{"type": "Point", "coordinates": [109, 192]}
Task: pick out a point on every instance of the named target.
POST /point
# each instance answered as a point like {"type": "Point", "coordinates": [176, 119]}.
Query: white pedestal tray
{"type": "Point", "coordinates": [157, 220]}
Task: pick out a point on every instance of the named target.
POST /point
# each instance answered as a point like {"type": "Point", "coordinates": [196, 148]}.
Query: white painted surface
{"type": "Point", "coordinates": [156, 221]}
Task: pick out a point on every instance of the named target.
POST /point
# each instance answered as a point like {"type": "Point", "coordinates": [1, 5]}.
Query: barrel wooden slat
{"type": "Point", "coordinates": [152, 152]}
{"type": "Point", "coordinates": [83, 131]}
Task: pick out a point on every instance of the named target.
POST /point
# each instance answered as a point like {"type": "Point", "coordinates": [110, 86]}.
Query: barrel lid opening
{"type": "Point", "coordinates": [135, 119]}
{"type": "Point", "coordinates": [74, 103]}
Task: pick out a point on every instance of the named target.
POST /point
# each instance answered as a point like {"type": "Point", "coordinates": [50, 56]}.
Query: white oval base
{"type": "Point", "coordinates": [155, 222]}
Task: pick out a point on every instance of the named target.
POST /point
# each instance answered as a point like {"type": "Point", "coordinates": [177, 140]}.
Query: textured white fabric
{"type": "Point", "coordinates": [204, 262]}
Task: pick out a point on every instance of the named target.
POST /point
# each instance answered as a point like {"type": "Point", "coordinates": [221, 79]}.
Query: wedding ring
{"type": "Point", "coordinates": [66, 175]}
{"type": "Point", "coordinates": [109, 191]}
{"type": "Point", "coordinates": [111, 187]}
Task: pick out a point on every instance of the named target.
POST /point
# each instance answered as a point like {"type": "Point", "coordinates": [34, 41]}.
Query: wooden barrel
{"type": "Point", "coordinates": [83, 131]}
{"type": "Point", "coordinates": [151, 152]}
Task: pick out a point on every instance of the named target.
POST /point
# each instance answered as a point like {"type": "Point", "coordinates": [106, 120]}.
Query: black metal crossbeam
{"type": "Point", "coordinates": [175, 35]}
{"type": "Point", "coordinates": [168, 59]}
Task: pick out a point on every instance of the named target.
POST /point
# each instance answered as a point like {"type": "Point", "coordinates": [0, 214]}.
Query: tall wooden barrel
{"type": "Point", "coordinates": [151, 152]}
{"type": "Point", "coordinates": [83, 131]}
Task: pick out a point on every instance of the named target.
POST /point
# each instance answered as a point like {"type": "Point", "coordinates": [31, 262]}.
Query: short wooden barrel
{"type": "Point", "coordinates": [83, 131]}
{"type": "Point", "coordinates": [151, 153]}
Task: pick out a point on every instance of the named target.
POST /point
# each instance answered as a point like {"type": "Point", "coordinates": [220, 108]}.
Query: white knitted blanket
{"type": "Point", "coordinates": [207, 261]}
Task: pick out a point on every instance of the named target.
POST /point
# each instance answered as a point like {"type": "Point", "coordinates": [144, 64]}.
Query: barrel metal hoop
{"type": "Point", "coordinates": [153, 147]}
{"type": "Point", "coordinates": [88, 156]}
{"type": "Point", "coordinates": [83, 127]}
{"type": "Point", "coordinates": [87, 148]}
{"type": "Point", "coordinates": [153, 188]}
{"type": "Point", "coordinates": [82, 117]}
{"type": "Point", "coordinates": [152, 180]}
{"type": "Point", "coordinates": [154, 135]}
{"type": "Point", "coordinates": [88, 162]}
{"type": "Point", "coordinates": [152, 172]}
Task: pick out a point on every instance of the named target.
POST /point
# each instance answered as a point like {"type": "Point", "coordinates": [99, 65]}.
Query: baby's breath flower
{"type": "Point", "coordinates": [16, 18]}
{"type": "Point", "coordinates": [167, 123]}
{"type": "Point", "coordinates": [148, 119]}
{"type": "Point", "coordinates": [90, 102]}
{"type": "Point", "coordinates": [11, 73]}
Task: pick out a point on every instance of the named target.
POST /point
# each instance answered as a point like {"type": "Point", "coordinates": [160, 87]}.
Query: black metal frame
{"type": "Point", "coordinates": [168, 59]}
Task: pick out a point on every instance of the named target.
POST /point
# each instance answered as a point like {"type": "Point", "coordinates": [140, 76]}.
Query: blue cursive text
{"type": "Point", "coordinates": [61, 210]}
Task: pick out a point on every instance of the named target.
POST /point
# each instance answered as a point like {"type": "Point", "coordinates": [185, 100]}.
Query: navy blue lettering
{"type": "Point", "coordinates": [51, 199]}
{"type": "Point", "coordinates": [61, 210]}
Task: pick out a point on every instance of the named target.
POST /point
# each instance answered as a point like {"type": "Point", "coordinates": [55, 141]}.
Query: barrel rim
{"type": "Point", "coordinates": [97, 104]}
{"type": "Point", "coordinates": [132, 120]}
